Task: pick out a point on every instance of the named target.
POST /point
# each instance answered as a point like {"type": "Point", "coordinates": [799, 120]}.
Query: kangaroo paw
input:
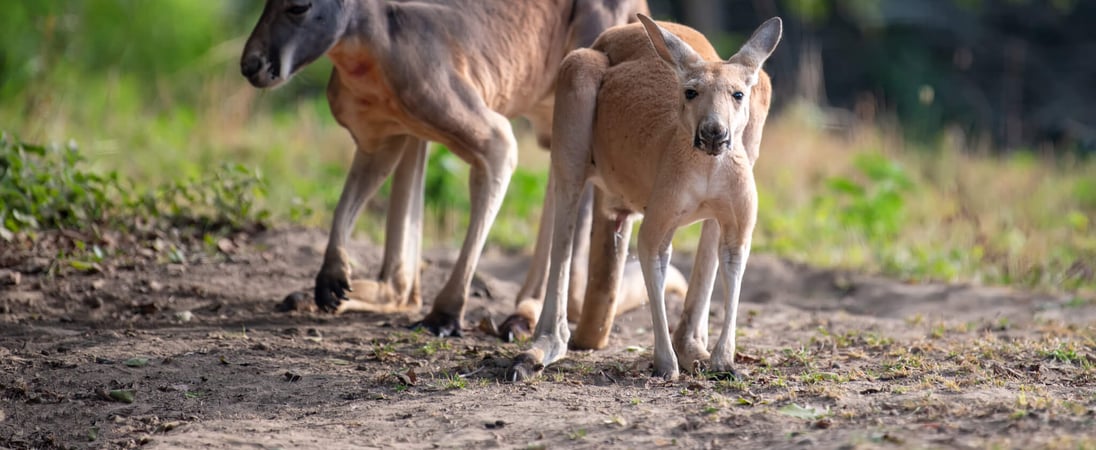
{"type": "Point", "coordinates": [330, 291]}
{"type": "Point", "coordinates": [526, 366]}
{"type": "Point", "coordinates": [516, 327]}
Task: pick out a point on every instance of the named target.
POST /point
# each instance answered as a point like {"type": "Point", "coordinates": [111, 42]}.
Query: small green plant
{"type": "Point", "coordinates": [876, 204]}
{"type": "Point", "coordinates": [434, 346]}
{"type": "Point", "coordinates": [455, 381]}
{"type": "Point", "coordinates": [383, 351]}
{"type": "Point", "coordinates": [1067, 353]}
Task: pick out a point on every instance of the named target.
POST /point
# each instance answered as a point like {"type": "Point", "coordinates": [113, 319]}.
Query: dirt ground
{"type": "Point", "coordinates": [147, 352]}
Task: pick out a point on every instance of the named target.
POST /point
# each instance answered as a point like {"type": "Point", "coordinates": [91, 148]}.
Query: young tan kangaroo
{"type": "Point", "coordinates": [406, 73]}
{"type": "Point", "coordinates": [664, 128]}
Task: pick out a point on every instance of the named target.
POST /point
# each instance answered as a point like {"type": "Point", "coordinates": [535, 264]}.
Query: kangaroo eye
{"type": "Point", "coordinates": [738, 95]}
{"type": "Point", "coordinates": [691, 94]}
{"type": "Point", "coordinates": [297, 10]}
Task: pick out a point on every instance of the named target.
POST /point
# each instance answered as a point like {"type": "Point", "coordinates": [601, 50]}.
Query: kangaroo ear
{"type": "Point", "coordinates": [669, 47]}
{"type": "Point", "coordinates": [760, 45]}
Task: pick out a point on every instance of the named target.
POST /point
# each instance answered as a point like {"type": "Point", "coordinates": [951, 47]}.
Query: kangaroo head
{"type": "Point", "coordinates": [714, 95]}
{"type": "Point", "coordinates": [290, 35]}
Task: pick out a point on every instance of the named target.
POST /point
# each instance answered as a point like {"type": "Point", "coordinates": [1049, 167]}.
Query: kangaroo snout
{"type": "Point", "coordinates": [250, 65]}
{"type": "Point", "coordinates": [711, 138]}
{"type": "Point", "coordinates": [260, 71]}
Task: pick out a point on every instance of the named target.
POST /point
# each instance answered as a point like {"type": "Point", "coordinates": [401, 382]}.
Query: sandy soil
{"type": "Point", "coordinates": [141, 351]}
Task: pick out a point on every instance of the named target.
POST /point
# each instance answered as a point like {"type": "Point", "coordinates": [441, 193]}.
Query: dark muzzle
{"type": "Point", "coordinates": [711, 139]}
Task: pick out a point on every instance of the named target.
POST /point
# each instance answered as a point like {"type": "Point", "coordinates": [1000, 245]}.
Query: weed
{"type": "Point", "coordinates": [738, 385]}
{"type": "Point", "coordinates": [383, 351]}
{"type": "Point", "coordinates": [577, 434]}
{"type": "Point", "coordinates": [434, 346]}
{"type": "Point", "coordinates": [938, 331]}
{"type": "Point", "coordinates": [800, 356]}
{"type": "Point", "coordinates": [454, 381]}
{"type": "Point", "coordinates": [1066, 352]}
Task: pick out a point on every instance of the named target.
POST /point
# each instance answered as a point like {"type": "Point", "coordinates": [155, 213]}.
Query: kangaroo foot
{"type": "Point", "coordinates": [516, 328]}
{"type": "Point", "coordinates": [526, 366]}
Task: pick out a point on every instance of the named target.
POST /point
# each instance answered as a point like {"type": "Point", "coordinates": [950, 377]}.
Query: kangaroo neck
{"type": "Point", "coordinates": [367, 25]}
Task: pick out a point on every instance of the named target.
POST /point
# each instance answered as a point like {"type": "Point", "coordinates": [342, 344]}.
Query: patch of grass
{"type": "Point", "coordinates": [872, 202]}
{"type": "Point", "coordinates": [434, 346]}
{"type": "Point", "coordinates": [1066, 352]}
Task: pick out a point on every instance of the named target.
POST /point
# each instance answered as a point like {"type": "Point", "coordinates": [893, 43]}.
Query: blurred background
{"type": "Point", "coordinates": [948, 140]}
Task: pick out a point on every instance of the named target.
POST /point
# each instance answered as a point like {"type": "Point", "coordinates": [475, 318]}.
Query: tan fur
{"type": "Point", "coordinates": [406, 73]}
{"type": "Point", "coordinates": [664, 128]}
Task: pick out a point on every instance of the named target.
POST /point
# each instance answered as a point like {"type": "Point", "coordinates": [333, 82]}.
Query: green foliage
{"type": "Point", "coordinates": [875, 205]}
{"type": "Point", "coordinates": [446, 184]}
{"type": "Point", "coordinates": [49, 187]}
{"type": "Point", "coordinates": [95, 36]}
{"type": "Point", "coordinates": [43, 187]}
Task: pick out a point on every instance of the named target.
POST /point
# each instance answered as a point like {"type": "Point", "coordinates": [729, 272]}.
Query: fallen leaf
{"type": "Point", "coordinates": [84, 266]}
{"type": "Point", "coordinates": [408, 378]}
{"type": "Point", "coordinates": [122, 395]}
{"type": "Point", "coordinates": [745, 358]}
{"type": "Point", "coordinates": [136, 362]}
{"type": "Point", "coordinates": [800, 412]}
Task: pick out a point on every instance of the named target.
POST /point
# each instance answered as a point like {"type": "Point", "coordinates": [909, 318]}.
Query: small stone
{"type": "Point", "coordinates": [10, 277]}
{"type": "Point", "coordinates": [155, 286]}
{"type": "Point", "coordinates": [226, 246]}
{"type": "Point", "coordinates": [184, 316]}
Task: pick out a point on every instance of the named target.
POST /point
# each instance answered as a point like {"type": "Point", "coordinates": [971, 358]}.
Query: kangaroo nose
{"type": "Point", "coordinates": [714, 134]}
{"type": "Point", "coordinates": [712, 138]}
{"type": "Point", "coordinates": [250, 65]}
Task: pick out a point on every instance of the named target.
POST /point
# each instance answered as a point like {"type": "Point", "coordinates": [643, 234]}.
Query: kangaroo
{"type": "Point", "coordinates": [662, 127]}
{"type": "Point", "coordinates": [406, 73]}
